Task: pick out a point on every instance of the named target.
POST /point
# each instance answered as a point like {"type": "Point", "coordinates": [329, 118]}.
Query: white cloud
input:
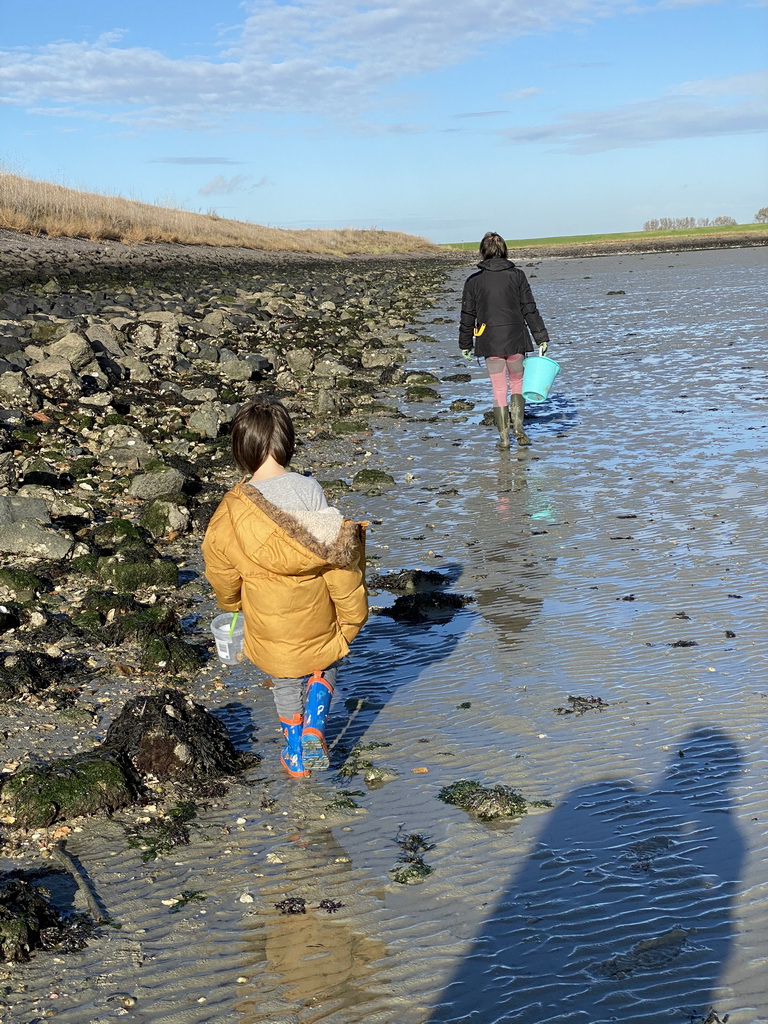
{"type": "Point", "coordinates": [223, 186]}
{"type": "Point", "coordinates": [751, 83]}
{"type": "Point", "coordinates": [693, 110]}
{"type": "Point", "coordinates": [331, 57]}
{"type": "Point", "coordinates": [520, 94]}
{"type": "Point", "coordinates": [481, 113]}
{"type": "Point", "coordinates": [193, 161]}
{"type": "Point", "coordinates": [305, 56]}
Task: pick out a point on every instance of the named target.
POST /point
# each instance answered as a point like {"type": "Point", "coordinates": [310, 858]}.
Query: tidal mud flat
{"type": "Point", "coordinates": [610, 662]}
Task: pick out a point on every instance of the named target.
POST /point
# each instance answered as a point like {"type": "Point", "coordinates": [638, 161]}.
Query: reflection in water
{"type": "Point", "coordinates": [623, 911]}
{"type": "Point", "coordinates": [314, 964]}
{"type": "Point", "coordinates": [505, 546]}
{"type": "Point", "coordinates": [318, 961]}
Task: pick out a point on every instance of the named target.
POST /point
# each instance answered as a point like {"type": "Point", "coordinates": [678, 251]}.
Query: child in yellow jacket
{"type": "Point", "coordinates": [276, 550]}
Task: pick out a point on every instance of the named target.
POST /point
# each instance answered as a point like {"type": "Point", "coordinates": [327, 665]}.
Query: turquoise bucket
{"type": "Point", "coordinates": [538, 374]}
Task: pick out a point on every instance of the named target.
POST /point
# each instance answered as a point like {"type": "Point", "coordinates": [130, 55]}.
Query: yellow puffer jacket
{"type": "Point", "coordinates": [297, 576]}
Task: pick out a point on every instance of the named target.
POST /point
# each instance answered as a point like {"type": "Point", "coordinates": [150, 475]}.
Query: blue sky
{"type": "Point", "coordinates": [436, 117]}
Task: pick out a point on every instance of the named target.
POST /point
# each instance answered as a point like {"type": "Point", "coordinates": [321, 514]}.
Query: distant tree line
{"type": "Point", "coordinates": [670, 223]}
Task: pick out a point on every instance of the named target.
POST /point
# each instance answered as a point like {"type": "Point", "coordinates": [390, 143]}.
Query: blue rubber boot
{"type": "Point", "coordinates": [291, 755]}
{"type": "Point", "coordinates": [319, 693]}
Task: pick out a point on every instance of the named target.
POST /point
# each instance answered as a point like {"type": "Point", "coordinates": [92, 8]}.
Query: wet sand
{"type": "Point", "coordinates": [622, 556]}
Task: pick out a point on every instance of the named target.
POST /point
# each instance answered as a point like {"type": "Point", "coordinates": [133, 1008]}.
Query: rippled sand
{"type": "Point", "coordinates": [622, 556]}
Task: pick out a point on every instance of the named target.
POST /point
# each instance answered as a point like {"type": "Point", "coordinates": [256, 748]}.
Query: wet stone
{"type": "Point", "coordinates": [172, 737]}
{"type": "Point", "coordinates": [149, 486]}
{"type": "Point", "coordinates": [372, 480]}
{"type": "Point", "coordinates": [40, 795]}
{"type": "Point", "coordinates": [33, 540]}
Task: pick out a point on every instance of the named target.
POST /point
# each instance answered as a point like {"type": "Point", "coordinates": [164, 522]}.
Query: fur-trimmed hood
{"type": "Point", "coordinates": [324, 532]}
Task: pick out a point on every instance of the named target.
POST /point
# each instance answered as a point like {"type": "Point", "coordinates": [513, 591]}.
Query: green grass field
{"type": "Point", "coordinates": [522, 243]}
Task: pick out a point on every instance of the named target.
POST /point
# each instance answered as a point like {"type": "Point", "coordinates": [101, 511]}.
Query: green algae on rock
{"type": "Point", "coordinates": [39, 795]}
{"type": "Point", "coordinates": [487, 802]}
{"type": "Point", "coordinates": [421, 393]}
{"type": "Point", "coordinates": [19, 585]}
{"type": "Point", "coordinates": [130, 569]}
{"type": "Point", "coordinates": [372, 480]}
{"type": "Point", "coordinates": [168, 655]}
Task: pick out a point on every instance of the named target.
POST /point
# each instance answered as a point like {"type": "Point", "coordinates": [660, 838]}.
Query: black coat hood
{"type": "Point", "coordinates": [496, 263]}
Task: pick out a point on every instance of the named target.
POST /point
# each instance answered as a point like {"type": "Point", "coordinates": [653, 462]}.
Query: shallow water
{"type": "Point", "coordinates": [635, 521]}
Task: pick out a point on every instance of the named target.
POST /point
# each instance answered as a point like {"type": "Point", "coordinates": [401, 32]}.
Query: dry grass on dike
{"type": "Point", "coordinates": [40, 208]}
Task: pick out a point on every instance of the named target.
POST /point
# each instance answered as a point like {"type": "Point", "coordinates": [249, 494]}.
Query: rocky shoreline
{"type": "Point", "coordinates": [120, 371]}
{"type": "Point", "coordinates": [610, 603]}
{"type": "Point", "coordinates": [30, 259]}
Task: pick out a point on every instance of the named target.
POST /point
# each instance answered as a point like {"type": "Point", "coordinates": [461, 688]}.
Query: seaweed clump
{"type": "Point", "coordinates": [487, 803]}
{"type": "Point", "coordinates": [292, 905]}
{"type": "Point", "coordinates": [412, 867]}
{"type": "Point", "coordinates": [166, 737]}
{"type": "Point", "coordinates": [31, 673]}
{"type": "Point", "coordinates": [408, 581]}
{"type": "Point", "coordinates": [580, 705]}
{"type": "Point", "coordinates": [172, 738]}
{"type": "Point", "coordinates": [28, 921]}
{"type": "Point", "coordinates": [164, 834]}
{"type": "Point", "coordinates": [434, 606]}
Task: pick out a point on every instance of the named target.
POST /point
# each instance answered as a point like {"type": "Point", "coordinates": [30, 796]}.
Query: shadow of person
{"type": "Point", "coordinates": [554, 417]}
{"type": "Point", "coordinates": [623, 911]}
{"type": "Point", "coordinates": [391, 653]}
{"type": "Point", "coordinates": [239, 720]}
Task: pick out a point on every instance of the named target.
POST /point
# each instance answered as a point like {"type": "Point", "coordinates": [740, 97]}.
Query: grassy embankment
{"type": "Point", "coordinates": [725, 234]}
{"type": "Point", "coordinates": [40, 208]}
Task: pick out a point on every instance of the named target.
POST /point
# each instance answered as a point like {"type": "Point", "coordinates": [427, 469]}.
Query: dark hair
{"type": "Point", "coordinates": [493, 245]}
{"type": "Point", "coordinates": [260, 428]}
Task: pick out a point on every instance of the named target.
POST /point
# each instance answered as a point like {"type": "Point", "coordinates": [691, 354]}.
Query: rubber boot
{"type": "Point", "coordinates": [501, 419]}
{"type": "Point", "coordinates": [319, 693]}
{"type": "Point", "coordinates": [517, 413]}
{"type": "Point", "coordinates": [291, 754]}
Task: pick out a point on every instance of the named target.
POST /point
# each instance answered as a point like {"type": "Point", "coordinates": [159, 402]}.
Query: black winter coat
{"type": "Point", "coordinates": [499, 297]}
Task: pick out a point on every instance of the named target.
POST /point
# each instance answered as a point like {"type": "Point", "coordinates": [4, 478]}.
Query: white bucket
{"type": "Point", "coordinates": [229, 641]}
